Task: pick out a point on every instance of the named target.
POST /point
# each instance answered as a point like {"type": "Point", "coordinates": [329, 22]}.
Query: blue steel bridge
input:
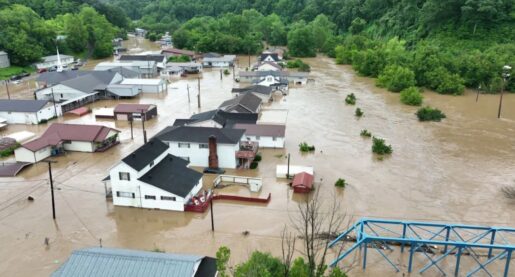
{"type": "Point", "coordinates": [468, 249]}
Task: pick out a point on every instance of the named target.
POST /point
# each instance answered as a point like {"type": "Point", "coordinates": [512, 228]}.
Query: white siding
{"type": "Point", "coordinates": [28, 117]}
{"type": "Point", "coordinates": [61, 93]}
{"type": "Point", "coordinates": [25, 155]}
{"type": "Point", "coordinates": [267, 67]}
{"type": "Point", "coordinates": [79, 146]}
{"type": "Point", "coordinates": [200, 156]}
{"type": "Point", "coordinates": [266, 142]}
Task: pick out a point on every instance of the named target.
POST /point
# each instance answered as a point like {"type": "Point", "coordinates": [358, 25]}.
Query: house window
{"type": "Point", "coordinates": [124, 176]}
{"type": "Point", "coordinates": [203, 146]}
{"type": "Point", "coordinates": [184, 145]}
{"type": "Point", "coordinates": [62, 96]}
{"type": "Point", "coordinates": [258, 137]}
{"type": "Point", "coordinates": [274, 138]}
{"type": "Point", "coordinates": [150, 197]}
{"type": "Point", "coordinates": [125, 194]}
{"type": "Point", "coordinates": [185, 158]}
{"type": "Point", "coordinates": [168, 198]}
{"type": "Point", "coordinates": [151, 164]}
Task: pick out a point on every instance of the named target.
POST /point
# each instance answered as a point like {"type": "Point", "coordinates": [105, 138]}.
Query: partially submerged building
{"type": "Point", "coordinates": [175, 52]}
{"type": "Point", "coordinates": [302, 182]}
{"type": "Point", "coordinates": [112, 262]}
{"type": "Point", "coordinates": [274, 78]}
{"type": "Point", "coordinates": [134, 111]}
{"type": "Point", "coordinates": [60, 137]}
{"type": "Point", "coordinates": [217, 119]}
{"type": "Point", "coordinates": [151, 177]}
{"type": "Point", "coordinates": [159, 59]}
{"type": "Point", "coordinates": [266, 135]}
{"type": "Point", "coordinates": [223, 61]}
{"type": "Point", "coordinates": [147, 69]}
{"type": "Point", "coordinates": [192, 144]}
{"type": "Point", "coordinates": [53, 61]}
{"type": "Point", "coordinates": [245, 103]}
{"type": "Point", "coordinates": [263, 92]}
{"type": "Point", "coordinates": [27, 111]}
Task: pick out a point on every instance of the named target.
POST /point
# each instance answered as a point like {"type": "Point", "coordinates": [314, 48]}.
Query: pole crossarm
{"type": "Point", "coordinates": [482, 245]}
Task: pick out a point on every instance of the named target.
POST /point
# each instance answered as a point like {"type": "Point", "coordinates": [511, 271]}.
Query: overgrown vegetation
{"type": "Point", "coordinates": [299, 64]}
{"type": "Point", "coordinates": [350, 99]}
{"type": "Point", "coordinates": [430, 114]}
{"type": "Point", "coordinates": [227, 72]}
{"type": "Point", "coordinates": [253, 165]}
{"type": "Point", "coordinates": [179, 59]}
{"type": "Point", "coordinates": [8, 72]}
{"type": "Point", "coordinates": [380, 147]}
{"type": "Point", "coordinates": [341, 183]}
{"type": "Point", "coordinates": [304, 147]}
{"type": "Point", "coordinates": [9, 151]}
{"type": "Point", "coordinates": [365, 133]}
{"type": "Point", "coordinates": [358, 112]}
{"type": "Point", "coordinates": [258, 157]}
{"type": "Point", "coordinates": [412, 96]}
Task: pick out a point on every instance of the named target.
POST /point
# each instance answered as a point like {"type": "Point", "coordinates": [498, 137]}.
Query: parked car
{"type": "Point", "coordinates": [75, 67]}
{"type": "Point", "coordinates": [24, 74]}
{"type": "Point", "coordinates": [41, 70]}
{"type": "Point", "coordinates": [15, 77]}
{"type": "Point", "coordinates": [53, 68]}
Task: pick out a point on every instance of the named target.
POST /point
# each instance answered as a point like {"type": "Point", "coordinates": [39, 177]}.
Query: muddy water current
{"type": "Point", "coordinates": [450, 171]}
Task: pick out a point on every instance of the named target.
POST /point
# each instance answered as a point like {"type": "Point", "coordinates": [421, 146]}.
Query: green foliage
{"type": "Point", "coordinates": [444, 82]}
{"type": "Point", "coordinates": [396, 78]}
{"type": "Point", "coordinates": [298, 63]}
{"type": "Point", "coordinates": [299, 268]}
{"type": "Point", "coordinates": [350, 99]}
{"type": "Point", "coordinates": [365, 133]}
{"type": "Point", "coordinates": [379, 146]}
{"type": "Point", "coordinates": [411, 96]}
{"type": "Point", "coordinates": [301, 40]}
{"type": "Point", "coordinates": [258, 157]}
{"type": "Point", "coordinates": [9, 151]}
{"type": "Point", "coordinates": [179, 59]}
{"type": "Point", "coordinates": [341, 183]}
{"type": "Point", "coordinates": [357, 25]}
{"type": "Point", "coordinates": [260, 264]}
{"type": "Point", "coordinates": [304, 147]}
{"type": "Point", "coordinates": [254, 165]}
{"type": "Point", "coordinates": [430, 114]}
{"type": "Point", "coordinates": [6, 73]}
{"type": "Point", "coordinates": [227, 72]}
{"type": "Point", "coordinates": [222, 258]}
{"type": "Point", "coordinates": [337, 272]}
{"type": "Point", "coordinates": [358, 112]}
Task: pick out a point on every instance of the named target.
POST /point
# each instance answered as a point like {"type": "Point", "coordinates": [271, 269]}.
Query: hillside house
{"type": "Point", "coordinates": [152, 178]}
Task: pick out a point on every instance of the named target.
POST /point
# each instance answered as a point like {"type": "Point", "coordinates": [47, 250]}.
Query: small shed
{"type": "Point", "coordinates": [135, 111]}
{"type": "Point", "coordinates": [302, 182]}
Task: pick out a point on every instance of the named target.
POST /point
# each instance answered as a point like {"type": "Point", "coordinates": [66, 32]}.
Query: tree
{"type": "Point", "coordinates": [357, 26]}
{"type": "Point", "coordinates": [396, 78]}
{"type": "Point", "coordinates": [222, 258]}
{"type": "Point", "coordinates": [444, 82]}
{"type": "Point", "coordinates": [260, 264]}
{"type": "Point", "coordinates": [323, 30]}
{"type": "Point", "coordinates": [301, 41]}
{"type": "Point", "coordinates": [76, 33]}
{"type": "Point", "coordinates": [100, 32]}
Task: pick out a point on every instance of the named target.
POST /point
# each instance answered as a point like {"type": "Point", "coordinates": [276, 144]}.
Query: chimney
{"type": "Point", "coordinates": [213, 156]}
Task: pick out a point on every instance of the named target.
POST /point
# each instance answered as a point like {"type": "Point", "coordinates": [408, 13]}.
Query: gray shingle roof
{"type": "Point", "coordinates": [111, 262]}
{"type": "Point", "coordinates": [142, 156]}
{"type": "Point", "coordinates": [223, 118]}
{"type": "Point", "coordinates": [266, 90]}
{"type": "Point", "coordinates": [28, 106]}
{"type": "Point", "coordinates": [200, 134]}
{"type": "Point", "coordinates": [173, 175]}
{"type": "Point", "coordinates": [52, 78]}
{"type": "Point", "coordinates": [96, 80]}
{"type": "Point", "coordinates": [245, 103]}
{"type": "Point", "coordinates": [156, 58]}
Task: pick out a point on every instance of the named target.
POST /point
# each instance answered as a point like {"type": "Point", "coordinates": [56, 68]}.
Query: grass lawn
{"type": "Point", "coordinates": [6, 73]}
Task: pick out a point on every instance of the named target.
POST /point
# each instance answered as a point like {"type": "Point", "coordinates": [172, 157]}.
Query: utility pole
{"type": "Point", "coordinates": [505, 75]}
{"type": "Point", "coordinates": [478, 89]}
{"type": "Point", "coordinates": [220, 74]}
{"type": "Point", "coordinates": [7, 89]}
{"type": "Point", "coordinates": [53, 100]}
{"type": "Point", "coordinates": [188, 88]}
{"type": "Point", "coordinates": [132, 132]}
{"type": "Point", "coordinates": [233, 75]}
{"type": "Point", "coordinates": [288, 168]}
{"type": "Point", "coordinates": [198, 96]}
{"type": "Point", "coordinates": [51, 185]}
{"type": "Point", "coordinates": [212, 218]}
{"type": "Point", "coordinates": [143, 124]}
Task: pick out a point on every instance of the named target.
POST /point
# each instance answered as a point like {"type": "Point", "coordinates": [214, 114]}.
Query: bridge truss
{"type": "Point", "coordinates": [488, 248]}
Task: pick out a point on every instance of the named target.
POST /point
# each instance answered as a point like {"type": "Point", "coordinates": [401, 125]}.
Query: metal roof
{"type": "Point", "coordinates": [265, 130]}
{"type": "Point", "coordinates": [155, 58]}
{"type": "Point", "coordinates": [225, 58]}
{"type": "Point", "coordinates": [133, 108]}
{"type": "Point", "coordinates": [266, 90]}
{"type": "Point", "coordinates": [22, 106]}
{"type": "Point", "coordinates": [145, 154]}
{"type": "Point", "coordinates": [200, 134]}
{"type": "Point", "coordinates": [245, 103]}
{"type": "Point", "coordinates": [111, 262]}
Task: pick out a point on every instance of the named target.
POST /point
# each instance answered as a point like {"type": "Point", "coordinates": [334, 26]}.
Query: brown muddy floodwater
{"type": "Point", "coordinates": [450, 171]}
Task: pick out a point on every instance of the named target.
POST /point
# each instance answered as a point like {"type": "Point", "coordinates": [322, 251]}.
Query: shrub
{"type": "Point", "coordinates": [365, 133]}
{"type": "Point", "coordinates": [298, 63]}
{"type": "Point", "coordinates": [226, 72]}
{"type": "Point", "coordinates": [430, 114]}
{"type": "Point", "coordinates": [341, 183]}
{"type": "Point", "coordinates": [396, 78]}
{"type": "Point", "coordinates": [444, 82]}
{"type": "Point", "coordinates": [379, 147]}
{"type": "Point", "coordinates": [359, 112]}
{"type": "Point", "coordinates": [258, 157]}
{"type": "Point", "coordinates": [179, 59]}
{"type": "Point", "coordinates": [9, 151]}
{"type": "Point", "coordinates": [253, 165]}
{"type": "Point", "coordinates": [350, 99]}
{"type": "Point", "coordinates": [304, 147]}
{"type": "Point", "coordinates": [411, 96]}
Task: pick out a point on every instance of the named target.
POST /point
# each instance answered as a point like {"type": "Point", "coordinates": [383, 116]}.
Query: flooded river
{"type": "Point", "coordinates": [449, 171]}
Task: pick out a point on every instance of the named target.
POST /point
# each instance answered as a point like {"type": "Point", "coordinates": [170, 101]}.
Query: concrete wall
{"type": "Point", "coordinates": [200, 156]}
{"type": "Point", "coordinates": [266, 142]}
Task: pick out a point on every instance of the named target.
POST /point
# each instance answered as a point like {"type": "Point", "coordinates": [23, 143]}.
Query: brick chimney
{"type": "Point", "coordinates": [213, 156]}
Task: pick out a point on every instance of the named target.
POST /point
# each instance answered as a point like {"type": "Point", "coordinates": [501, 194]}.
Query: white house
{"type": "Point", "coordinates": [50, 61]}
{"type": "Point", "coordinates": [217, 119]}
{"type": "Point", "coordinates": [27, 111]}
{"type": "Point", "coordinates": [152, 178]}
{"type": "Point", "coordinates": [268, 66]}
{"type": "Point", "coordinates": [266, 135]}
{"type": "Point", "coordinates": [224, 61]}
{"type": "Point", "coordinates": [268, 56]}
{"type": "Point", "coordinates": [60, 137]}
{"type": "Point", "coordinates": [191, 143]}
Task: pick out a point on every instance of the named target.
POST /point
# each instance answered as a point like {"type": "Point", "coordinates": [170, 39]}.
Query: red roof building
{"type": "Point", "coordinates": [132, 111]}
{"type": "Point", "coordinates": [302, 182]}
